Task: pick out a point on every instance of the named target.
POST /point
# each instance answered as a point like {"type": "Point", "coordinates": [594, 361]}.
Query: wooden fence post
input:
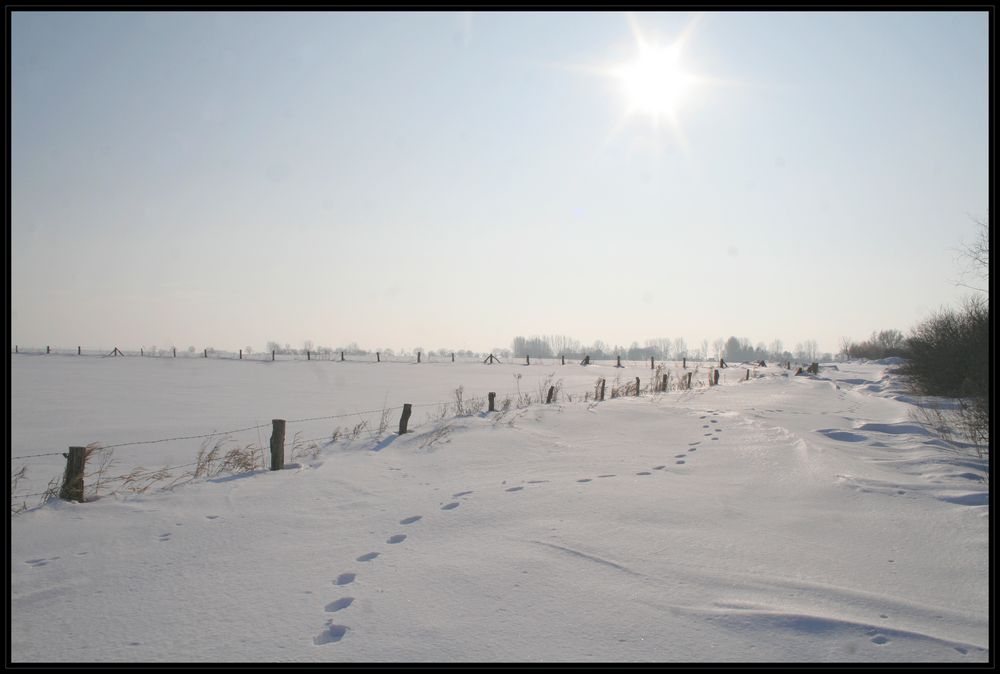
{"type": "Point", "coordinates": [175, 352]}
{"type": "Point", "coordinates": [341, 356]}
{"type": "Point", "coordinates": [619, 362]}
{"type": "Point", "coordinates": [689, 379]}
{"type": "Point", "coordinates": [552, 390]}
{"type": "Point", "coordinates": [637, 387]}
{"type": "Point", "coordinates": [492, 397]}
{"type": "Point", "coordinates": [453, 358]}
{"type": "Point", "coordinates": [272, 354]}
{"type": "Point", "coordinates": [308, 356]}
{"type": "Point", "coordinates": [651, 363]}
{"type": "Point", "coordinates": [685, 363]}
{"type": "Point", "coordinates": [72, 486]}
{"type": "Point", "coordinates": [748, 374]}
{"type": "Point", "coordinates": [665, 382]}
{"type": "Point", "coordinates": [241, 354]}
{"type": "Point", "coordinates": [527, 360]}
{"type": "Point", "coordinates": [378, 358]}
{"type": "Point", "coordinates": [564, 359]}
{"type": "Point", "coordinates": [404, 418]}
{"type": "Point", "coordinates": [716, 377]}
{"type": "Point", "coordinates": [46, 349]}
{"type": "Point", "coordinates": [418, 360]}
{"type": "Point", "coordinates": [141, 352]}
{"type": "Point", "coordinates": [15, 348]}
{"type": "Point", "coordinates": [602, 390]}
{"type": "Point", "coordinates": [277, 444]}
{"type": "Point", "coordinates": [78, 351]}
{"type": "Point", "coordinates": [206, 353]}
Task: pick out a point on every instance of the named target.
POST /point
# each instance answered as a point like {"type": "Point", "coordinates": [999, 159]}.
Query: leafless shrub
{"type": "Point", "coordinates": [435, 436]}
{"type": "Point", "coordinates": [383, 422]}
{"type": "Point", "coordinates": [358, 429]}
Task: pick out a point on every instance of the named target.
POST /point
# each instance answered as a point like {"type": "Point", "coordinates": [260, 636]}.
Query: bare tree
{"type": "Point", "coordinates": [977, 259]}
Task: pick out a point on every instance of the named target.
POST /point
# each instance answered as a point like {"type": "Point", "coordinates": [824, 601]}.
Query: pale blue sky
{"type": "Point", "coordinates": [454, 180]}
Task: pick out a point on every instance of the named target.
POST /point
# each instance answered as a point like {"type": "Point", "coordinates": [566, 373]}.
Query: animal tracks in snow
{"type": "Point", "coordinates": [334, 632]}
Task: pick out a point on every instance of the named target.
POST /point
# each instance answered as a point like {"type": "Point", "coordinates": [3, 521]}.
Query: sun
{"type": "Point", "coordinates": [655, 84]}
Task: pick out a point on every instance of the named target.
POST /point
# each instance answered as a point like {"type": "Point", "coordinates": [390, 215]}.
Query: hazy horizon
{"type": "Point", "coordinates": [453, 180]}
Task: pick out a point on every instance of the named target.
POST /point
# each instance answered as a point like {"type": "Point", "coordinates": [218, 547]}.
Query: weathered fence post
{"type": "Point", "coordinates": [636, 387]}
{"type": "Point", "coordinates": [308, 356]}
{"type": "Point", "coordinates": [748, 374]}
{"type": "Point", "coordinates": [527, 360]}
{"type": "Point", "coordinates": [46, 349]}
{"type": "Point", "coordinates": [15, 348]}
{"type": "Point", "coordinates": [651, 363]}
{"type": "Point", "coordinates": [564, 359]}
{"type": "Point", "coordinates": [141, 352]}
{"type": "Point", "coordinates": [72, 486]}
{"type": "Point", "coordinates": [548, 399]}
{"type": "Point", "coordinates": [241, 354]}
{"type": "Point", "coordinates": [685, 363]}
{"type": "Point", "coordinates": [341, 356]}
{"type": "Point", "coordinates": [175, 352]}
{"type": "Point", "coordinates": [272, 354]}
{"type": "Point", "coordinates": [404, 418]}
{"type": "Point", "coordinates": [206, 353]}
{"type": "Point", "coordinates": [492, 397]}
{"type": "Point", "coordinates": [418, 356]}
{"type": "Point", "coordinates": [586, 360]}
{"type": "Point", "coordinates": [602, 390]}
{"type": "Point", "coordinates": [277, 444]}
{"type": "Point", "coordinates": [665, 382]}
{"type": "Point", "coordinates": [619, 362]}
{"type": "Point", "coordinates": [453, 358]}
{"type": "Point", "coordinates": [378, 358]}
{"type": "Point", "coordinates": [716, 377]}
{"type": "Point", "coordinates": [689, 379]}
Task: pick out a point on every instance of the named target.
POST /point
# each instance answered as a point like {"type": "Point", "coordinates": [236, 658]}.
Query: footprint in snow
{"type": "Point", "coordinates": [410, 520]}
{"type": "Point", "coordinates": [659, 467]}
{"type": "Point", "coordinates": [586, 479]}
{"type": "Point", "coordinates": [693, 449]}
{"type": "Point", "coordinates": [514, 489]}
{"type": "Point", "coordinates": [537, 481]}
{"type": "Point", "coordinates": [680, 456]}
{"type": "Point", "coordinates": [450, 506]}
{"type": "Point", "coordinates": [344, 579]}
{"type": "Point", "coordinates": [681, 461]}
{"type": "Point", "coordinates": [644, 472]}
{"type": "Point", "coordinates": [397, 538]}
{"type": "Point", "coordinates": [367, 557]}
{"type": "Point", "coordinates": [607, 476]}
{"type": "Point", "coordinates": [880, 639]}
{"type": "Point", "coordinates": [164, 537]}
{"type": "Point", "coordinates": [211, 517]}
{"type": "Point", "coordinates": [461, 493]}
{"type": "Point", "coordinates": [339, 605]}
{"type": "Point", "coordinates": [332, 634]}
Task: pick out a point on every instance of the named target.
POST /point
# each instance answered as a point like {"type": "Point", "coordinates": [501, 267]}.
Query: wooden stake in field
{"type": "Point", "coordinates": [404, 417]}
{"type": "Point", "coordinates": [636, 387]}
{"type": "Point", "coordinates": [72, 486]}
{"type": "Point", "coordinates": [277, 444]}
{"type": "Point", "coordinates": [492, 397]}
{"type": "Point", "coordinates": [552, 390]}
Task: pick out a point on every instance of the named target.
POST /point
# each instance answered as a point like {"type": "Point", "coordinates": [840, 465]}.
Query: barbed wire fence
{"type": "Point", "coordinates": [253, 457]}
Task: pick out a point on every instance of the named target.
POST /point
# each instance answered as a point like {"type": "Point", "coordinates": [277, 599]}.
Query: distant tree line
{"type": "Point", "coordinates": [663, 348]}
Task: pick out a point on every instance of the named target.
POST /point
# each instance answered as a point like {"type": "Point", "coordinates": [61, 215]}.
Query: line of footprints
{"type": "Point", "coordinates": [334, 632]}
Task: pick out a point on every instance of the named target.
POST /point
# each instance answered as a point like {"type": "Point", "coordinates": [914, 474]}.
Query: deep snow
{"type": "Point", "coordinates": [805, 519]}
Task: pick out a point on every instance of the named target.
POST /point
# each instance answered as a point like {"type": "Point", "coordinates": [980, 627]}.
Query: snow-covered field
{"type": "Point", "coordinates": [781, 519]}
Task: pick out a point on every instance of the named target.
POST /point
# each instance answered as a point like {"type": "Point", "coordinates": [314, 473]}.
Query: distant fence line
{"type": "Point", "coordinates": [344, 356]}
{"type": "Point", "coordinates": [72, 483]}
